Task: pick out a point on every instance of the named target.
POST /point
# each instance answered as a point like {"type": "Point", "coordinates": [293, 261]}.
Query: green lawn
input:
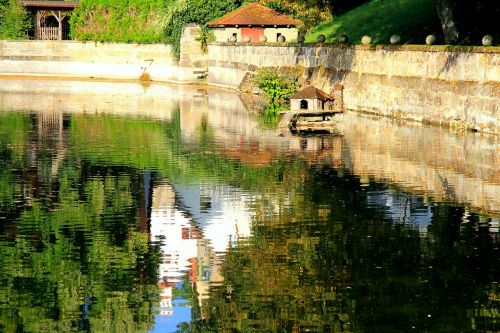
{"type": "Point", "coordinates": [413, 20]}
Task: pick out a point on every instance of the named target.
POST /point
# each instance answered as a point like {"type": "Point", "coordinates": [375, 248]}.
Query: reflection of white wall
{"type": "Point", "coordinates": [221, 212]}
{"type": "Point", "coordinates": [166, 298]}
{"type": "Point", "coordinates": [402, 208]}
{"type": "Point", "coordinates": [223, 216]}
{"type": "Point", "coordinates": [495, 224]}
{"type": "Point", "coordinates": [173, 229]}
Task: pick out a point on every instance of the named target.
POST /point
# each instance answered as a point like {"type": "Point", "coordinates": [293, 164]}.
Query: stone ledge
{"type": "Point", "coordinates": [405, 47]}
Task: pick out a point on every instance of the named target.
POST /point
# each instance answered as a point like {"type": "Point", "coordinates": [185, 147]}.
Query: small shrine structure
{"type": "Point", "coordinates": [311, 99]}
{"type": "Point", "coordinates": [255, 23]}
{"type": "Point", "coordinates": [50, 18]}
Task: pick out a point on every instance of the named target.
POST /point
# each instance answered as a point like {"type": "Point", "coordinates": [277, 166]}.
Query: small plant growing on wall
{"type": "Point", "coordinates": [206, 37]}
{"type": "Point", "coordinates": [278, 87]}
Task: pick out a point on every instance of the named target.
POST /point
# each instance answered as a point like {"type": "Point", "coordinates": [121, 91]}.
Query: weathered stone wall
{"type": "Point", "coordinates": [93, 60]}
{"type": "Point", "coordinates": [428, 84]}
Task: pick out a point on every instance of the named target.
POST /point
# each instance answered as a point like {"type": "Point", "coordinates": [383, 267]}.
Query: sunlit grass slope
{"type": "Point", "coordinates": [413, 20]}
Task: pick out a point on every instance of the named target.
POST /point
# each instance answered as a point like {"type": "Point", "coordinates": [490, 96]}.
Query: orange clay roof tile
{"type": "Point", "coordinates": [255, 14]}
{"type": "Point", "coordinates": [310, 92]}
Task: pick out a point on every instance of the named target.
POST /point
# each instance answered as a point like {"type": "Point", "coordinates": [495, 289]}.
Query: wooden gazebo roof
{"type": "Point", "coordinates": [255, 14]}
{"type": "Point", "coordinates": [50, 4]}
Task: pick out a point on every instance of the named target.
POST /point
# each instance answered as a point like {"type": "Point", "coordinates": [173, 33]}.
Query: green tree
{"type": "Point", "coordinates": [14, 20]}
{"type": "Point", "coordinates": [310, 12]}
{"type": "Point", "coordinates": [467, 21]}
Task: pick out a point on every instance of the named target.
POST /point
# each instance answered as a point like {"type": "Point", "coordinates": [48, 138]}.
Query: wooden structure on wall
{"type": "Point", "coordinates": [50, 18]}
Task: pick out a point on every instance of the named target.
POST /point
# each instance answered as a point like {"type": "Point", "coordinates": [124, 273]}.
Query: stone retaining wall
{"type": "Point", "coordinates": [450, 87]}
{"type": "Point", "coordinates": [93, 60]}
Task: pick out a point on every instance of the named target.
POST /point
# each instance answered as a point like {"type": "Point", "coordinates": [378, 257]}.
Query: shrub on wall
{"type": "Point", "coordinates": [200, 12]}
{"type": "Point", "coordinates": [276, 86]}
{"type": "Point", "coordinates": [14, 20]}
{"type": "Point", "coordinates": [139, 21]}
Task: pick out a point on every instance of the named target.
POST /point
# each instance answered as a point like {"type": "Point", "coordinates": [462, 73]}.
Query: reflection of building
{"type": "Point", "coordinates": [177, 239]}
{"type": "Point", "coordinates": [223, 216]}
{"type": "Point", "coordinates": [221, 212]}
{"type": "Point", "coordinates": [194, 225]}
{"type": "Point", "coordinates": [402, 208]}
{"type": "Point", "coordinates": [166, 306]}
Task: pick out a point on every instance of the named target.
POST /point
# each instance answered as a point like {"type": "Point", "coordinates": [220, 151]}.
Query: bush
{"type": "Point", "coordinates": [276, 86]}
{"type": "Point", "coordinates": [195, 11]}
{"type": "Point", "coordinates": [136, 21]}
{"type": "Point", "coordinates": [14, 20]}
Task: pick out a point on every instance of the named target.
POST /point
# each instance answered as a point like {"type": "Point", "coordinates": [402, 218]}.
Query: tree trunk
{"type": "Point", "coordinates": [445, 12]}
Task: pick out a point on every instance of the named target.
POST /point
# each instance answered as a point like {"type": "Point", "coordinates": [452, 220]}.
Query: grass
{"type": "Point", "coordinates": [413, 20]}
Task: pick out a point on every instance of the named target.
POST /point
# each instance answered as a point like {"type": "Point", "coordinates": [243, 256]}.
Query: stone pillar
{"type": "Point", "coordinates": [192, 54]}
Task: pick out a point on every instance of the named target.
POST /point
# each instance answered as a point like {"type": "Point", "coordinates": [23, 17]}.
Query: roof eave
{"type": "Point", "coordinates": [232, 25]}
{"type": "Point", "coordinates": [51, 4]}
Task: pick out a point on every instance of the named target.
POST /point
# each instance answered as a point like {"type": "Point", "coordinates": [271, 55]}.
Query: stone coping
{"type": "Point", "coordinates": [403, 47]}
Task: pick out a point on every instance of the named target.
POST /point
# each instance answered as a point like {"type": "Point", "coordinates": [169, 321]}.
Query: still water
{"type": "Point", "coordinates": [156, 208]}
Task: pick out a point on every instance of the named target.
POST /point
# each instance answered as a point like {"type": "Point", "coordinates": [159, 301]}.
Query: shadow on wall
{"type": "Point", "coordinates": [453, 57]}
{"type": "Point", "coordinates": [326, 68]}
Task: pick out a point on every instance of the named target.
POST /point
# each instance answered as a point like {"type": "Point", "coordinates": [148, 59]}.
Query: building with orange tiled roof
{"type": "Point", "coordinates": [255, 23]}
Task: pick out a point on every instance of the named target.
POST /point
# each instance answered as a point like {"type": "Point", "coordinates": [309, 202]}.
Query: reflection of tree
{"type": "Point", "coordinates": [77, 260]}
{"type": "Point", "coordinates": [335, 266]}
{"type": "Point", "coordinates": [14, 133]}
{"type": "Point", "coordinates": [148, 144]}
{"type": "Point", "coordinates": [83, 265]}
{"type": "Point", "coordinates": [319, 259]}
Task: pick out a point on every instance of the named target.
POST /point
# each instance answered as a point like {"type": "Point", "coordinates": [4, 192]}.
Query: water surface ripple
{"type": "Point", "coordinates": [128, 207]}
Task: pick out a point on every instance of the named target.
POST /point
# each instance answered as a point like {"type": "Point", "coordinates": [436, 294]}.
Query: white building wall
{"type": "Point", "coordinates": [312, 105]}
{"type": "Point", "coordinates": [223, 34]}
{"type": "Point", "coordinates": [290, 34]}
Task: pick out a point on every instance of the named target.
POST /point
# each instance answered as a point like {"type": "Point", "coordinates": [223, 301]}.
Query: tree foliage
{"type": "Point", "coordinates": [310, 12]}
{"type": "Point", "coordinates": [14, 20]}
{"type": "Point", "coordinates": [466, 22]}
{"type": "Point", "coordinates": [119, 21]}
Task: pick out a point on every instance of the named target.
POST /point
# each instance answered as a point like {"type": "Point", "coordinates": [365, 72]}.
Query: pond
{"type": "Point", "coordinates": [128, 207]}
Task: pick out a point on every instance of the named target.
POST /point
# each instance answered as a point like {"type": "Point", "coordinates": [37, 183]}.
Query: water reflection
{"type": "Point", "coordinates": [194, 225]}
{"type": "Point", "coordinates": [161, 208]}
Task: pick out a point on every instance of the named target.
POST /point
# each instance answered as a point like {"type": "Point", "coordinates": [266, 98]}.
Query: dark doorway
{"type": "Point", "coordinates": [304, 105]}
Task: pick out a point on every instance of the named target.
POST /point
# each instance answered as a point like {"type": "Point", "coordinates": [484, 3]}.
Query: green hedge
{"type": "Point", "coordinates": [139, 21]}
{"type": "Point", "coordinates": [144, 21]}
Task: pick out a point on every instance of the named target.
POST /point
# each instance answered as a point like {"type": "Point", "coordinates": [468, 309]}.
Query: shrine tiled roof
{"type": "Point", "coordinates": [310, 92]}
{"type": "Point", "coordinates": [255, 14]}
